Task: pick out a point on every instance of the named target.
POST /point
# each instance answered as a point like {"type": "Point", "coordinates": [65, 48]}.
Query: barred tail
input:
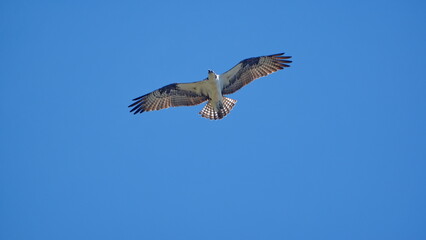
{"type": "Point", "coordinates": [209, 112]}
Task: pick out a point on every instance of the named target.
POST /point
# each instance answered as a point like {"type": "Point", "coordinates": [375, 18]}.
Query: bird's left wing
{"type": "Point", "coordinates": [250, 69]}
{"type": "Point", "coordinates": [172, 95]}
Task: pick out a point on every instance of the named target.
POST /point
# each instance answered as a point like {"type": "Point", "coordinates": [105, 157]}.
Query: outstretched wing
{"type": "Point", "coordinates": [250, 69]}
{"type": "Point", "coordinates": [173, 95]}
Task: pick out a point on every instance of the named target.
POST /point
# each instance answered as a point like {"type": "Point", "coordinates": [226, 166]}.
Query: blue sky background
{"type": "Point", "coordinates": [331, 148]}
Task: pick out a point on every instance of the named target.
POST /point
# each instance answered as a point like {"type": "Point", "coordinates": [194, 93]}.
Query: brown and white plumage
{"type": "Point", "coordinates": [251, 69]}
{"type": "Point", "coordinates": [211, 89]}
{"type": "Point", "coordinates": [172, 95]}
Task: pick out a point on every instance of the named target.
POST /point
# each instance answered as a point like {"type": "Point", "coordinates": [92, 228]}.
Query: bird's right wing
{"type": "Point", "coordinates": [172, 95]}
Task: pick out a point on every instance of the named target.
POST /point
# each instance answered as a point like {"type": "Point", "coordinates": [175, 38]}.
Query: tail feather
{"type": "Point", "coordinates": [209, 112]}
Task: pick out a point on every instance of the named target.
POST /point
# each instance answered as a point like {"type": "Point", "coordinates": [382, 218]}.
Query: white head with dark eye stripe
{"type": "Point", "coordinates": [212, 75]}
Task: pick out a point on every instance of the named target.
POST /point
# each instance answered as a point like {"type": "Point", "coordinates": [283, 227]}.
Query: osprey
{"type": "Point", "coordinates": [212, 89]}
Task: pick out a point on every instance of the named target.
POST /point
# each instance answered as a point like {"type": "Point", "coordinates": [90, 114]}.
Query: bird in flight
{"type": "Point", "coordinates": [212, 89]}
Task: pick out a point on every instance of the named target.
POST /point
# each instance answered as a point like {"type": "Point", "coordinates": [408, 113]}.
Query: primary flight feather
{"type": "Point", "coordinates": [212, 89]}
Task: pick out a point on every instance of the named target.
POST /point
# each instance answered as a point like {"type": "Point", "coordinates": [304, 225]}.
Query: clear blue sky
{"type": "Point", "coordinates": [331, 148]}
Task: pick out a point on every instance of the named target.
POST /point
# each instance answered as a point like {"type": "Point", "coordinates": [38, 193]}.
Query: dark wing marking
{"type": "Point", "coordinates": [252, 68]}
{"type": "Point", "coordinates": [168, 96]}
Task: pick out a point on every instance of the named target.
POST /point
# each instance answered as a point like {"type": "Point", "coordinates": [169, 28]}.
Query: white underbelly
{"type": "Point", "coordinates": [215, 93]}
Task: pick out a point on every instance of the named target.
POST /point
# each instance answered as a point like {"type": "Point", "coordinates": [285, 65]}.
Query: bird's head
{"type": "Point", "coordinates": [212, 74]}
